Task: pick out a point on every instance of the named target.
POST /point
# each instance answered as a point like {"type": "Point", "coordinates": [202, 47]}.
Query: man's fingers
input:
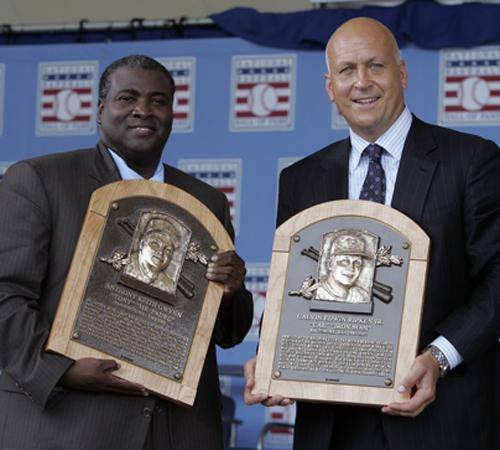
{"type": "Point", "coordinates": [108, 365]}
{"type": "Point", "coordinates": [249, 376]}
{"type": "Point", "coordinates": [116, 383]}
{"type": "Point", "coordinates": [423, 376]}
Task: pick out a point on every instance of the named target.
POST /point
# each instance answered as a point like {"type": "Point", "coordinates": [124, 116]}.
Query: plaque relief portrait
{"type": "Point", "coordinates": [346, 266]}
{"type": "Point", "coordinates": [157, 252]}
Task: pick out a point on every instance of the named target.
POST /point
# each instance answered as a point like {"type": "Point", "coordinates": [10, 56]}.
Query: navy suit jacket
{"type": "Point", "coordinates": [448, 183]}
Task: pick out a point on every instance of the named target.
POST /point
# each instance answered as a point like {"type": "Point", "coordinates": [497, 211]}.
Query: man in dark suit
{"type": "Point", "coordinates": [49, 401]}
{"type": "Point", "coordinates": [448, 183]}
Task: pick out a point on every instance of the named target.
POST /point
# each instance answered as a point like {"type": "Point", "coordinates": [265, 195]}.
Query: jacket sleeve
{"type": "Point", "coordinates": [475, 325]}
{"type": "Point", "coordinates": [25, 240]}
{"type": "Point", "coordinates": [235, 315]}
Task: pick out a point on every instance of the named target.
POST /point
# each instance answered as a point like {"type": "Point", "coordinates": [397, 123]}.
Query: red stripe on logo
{"type": "Point", "coordinates": [461, 78]}
{"type": "Point", "coordinates": [276, 85]}
{"type": "Point", "coordinates": [52, 119]}
{"type": "Point", "coordinates": [461, 109]}
{"type": "Point", "coordinates": [226, 189]}
{"type": "Point", "coordinates": [247, 114]}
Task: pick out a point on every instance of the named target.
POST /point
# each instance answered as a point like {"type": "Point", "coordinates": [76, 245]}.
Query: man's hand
{"type": "Point", "coordinates": [229, 269]}
{"type": "Point", "coordinates": [96, 375]}
{"type": "Point", "coordinates": [422, 377]}
{"type": "Point", "coordinates": [252, 399]}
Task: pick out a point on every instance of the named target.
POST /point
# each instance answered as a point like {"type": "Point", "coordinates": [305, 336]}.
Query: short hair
{"type": "Point", "coordinates": [136, 61]}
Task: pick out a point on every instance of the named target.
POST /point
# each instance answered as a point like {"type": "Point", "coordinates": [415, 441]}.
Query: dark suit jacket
{"type": "Point", "coordinates": [448, 183]}
{"type": "Point", "coordinates": [43, 203]}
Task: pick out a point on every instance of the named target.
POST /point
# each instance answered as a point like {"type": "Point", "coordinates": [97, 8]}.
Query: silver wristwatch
{"type": "Point", "coordinates": [444, 365]}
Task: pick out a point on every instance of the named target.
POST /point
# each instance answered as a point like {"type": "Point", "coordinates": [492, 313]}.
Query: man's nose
{"type": "Point", "coordinates": [142, 108]}
{"type": "Point", "coordinates": [363, 79]}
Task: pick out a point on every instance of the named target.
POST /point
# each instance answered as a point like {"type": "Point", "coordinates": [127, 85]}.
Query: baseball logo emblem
{"type": "Point", "coordinates": [263, 99]}
{"type": "Point", "coordinates": [473, 93]}
{"type": "Point", "coordinates": [67, 105]}
{"type": "Point", "coordinates": [469, 87]}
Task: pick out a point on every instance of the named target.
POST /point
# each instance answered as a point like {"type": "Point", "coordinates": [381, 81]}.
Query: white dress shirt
{"type": "Point", "coordinates": [128, 174]}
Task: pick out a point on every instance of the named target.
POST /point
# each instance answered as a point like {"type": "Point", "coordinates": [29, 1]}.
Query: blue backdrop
{"type": "Point", "coordinates": [244, 163]}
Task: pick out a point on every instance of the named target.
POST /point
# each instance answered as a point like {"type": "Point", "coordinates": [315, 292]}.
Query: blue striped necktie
{"type": "Point", "coordinates": [374, 186]}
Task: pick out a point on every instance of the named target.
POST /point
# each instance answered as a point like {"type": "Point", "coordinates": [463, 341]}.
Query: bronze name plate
{"type": "Point", "coordinates": [137, 290]}
{"type": "Point", "coordinates": [343, 307]}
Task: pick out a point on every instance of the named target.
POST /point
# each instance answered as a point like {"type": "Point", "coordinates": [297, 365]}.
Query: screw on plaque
{"type": "Point", "coordinates": [76, 335]}
{"type": "Point", "coordinates": [114, 205]}
{"type": "Point", "coordinates": [388, 382]}
{"type": "Point", "coordinates": [406, 245]}
{"type": "Point", "coordinates": [296, 238]}
{"type": "Point", "coordinates": [277, 374]}
{"type": "Point", "coordinates": [178, 376]}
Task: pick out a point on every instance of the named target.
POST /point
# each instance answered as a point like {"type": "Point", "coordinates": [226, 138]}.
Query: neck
{"type": "Point", "coordinates": [145, 170]}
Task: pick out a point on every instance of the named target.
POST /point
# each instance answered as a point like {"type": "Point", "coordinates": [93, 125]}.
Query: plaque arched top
{"type": "Point", "coordinates": [103, 198]}
{"type": "Point", "coordinates": [418, 240]}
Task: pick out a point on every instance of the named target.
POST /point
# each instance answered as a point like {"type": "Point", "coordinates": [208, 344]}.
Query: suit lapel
{"type": "Point", "coordinates": [416, 170]}
{"type": "Point", "coordinates": [331, 181]}
{"type": "Point", "coordinates": [103, 169]}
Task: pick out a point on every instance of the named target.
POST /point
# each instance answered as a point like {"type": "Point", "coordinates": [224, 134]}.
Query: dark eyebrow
{"type": "Point", "coordinates": [137, 93]}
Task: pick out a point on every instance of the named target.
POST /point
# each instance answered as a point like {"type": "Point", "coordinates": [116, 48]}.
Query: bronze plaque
{"type": "Point", "coordinates": [147, 285]}
{"type": "Point", "coordinates": [141, 292]}
{"type": "Point", "coordinates": [345, 329]}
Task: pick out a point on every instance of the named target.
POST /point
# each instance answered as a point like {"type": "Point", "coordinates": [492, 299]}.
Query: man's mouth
{"type": "Point", "coordinates": [365, 101]}
{"type": "Point", "coordinates": [142, 130]}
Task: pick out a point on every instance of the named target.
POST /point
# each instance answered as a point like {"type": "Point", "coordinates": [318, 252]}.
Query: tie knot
{"type": "Point", "coordinates": [374, 152]}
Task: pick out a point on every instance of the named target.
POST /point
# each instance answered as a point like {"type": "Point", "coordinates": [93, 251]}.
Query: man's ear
{"type": "Point", "coordinates": [404, 74]}
{"type": "Point", "coordinates": [328, 86]}
{"type": "Point", "coordinates": [100, 106]}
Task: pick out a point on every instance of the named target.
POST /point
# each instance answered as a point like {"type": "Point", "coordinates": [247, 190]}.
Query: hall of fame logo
{"type": "Point", "coordinates": [66, 97]}
{"type": "Point", "coordinates": [256, 280]}
{"type": "Point", "coordinates": [281, 433]}
{"type": "Point", "coordinates": [183, 72]}
{"type": "Point", "coordinates": [470, 86]}
{"type": "Point", "coordinates": [263, 93]}
{"type": "Point", "coordinates": [2, 94]}
{"type": "Point", "coordinates": [222, 174]}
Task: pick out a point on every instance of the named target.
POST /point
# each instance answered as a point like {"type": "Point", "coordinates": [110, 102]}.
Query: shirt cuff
{"type": "Point", "coordinates": [454, 358]}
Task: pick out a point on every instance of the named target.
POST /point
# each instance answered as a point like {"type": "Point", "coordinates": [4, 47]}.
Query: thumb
{"type": "Point", "coordinates": [414, 375]}
{"type": "Point", "coordinates": [109, 365]}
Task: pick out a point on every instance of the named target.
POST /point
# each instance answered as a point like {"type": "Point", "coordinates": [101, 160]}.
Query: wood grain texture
{"type": "Point", "coordinates": [183, 391]}
{"type": "Point", "coordinates": [411, 316]}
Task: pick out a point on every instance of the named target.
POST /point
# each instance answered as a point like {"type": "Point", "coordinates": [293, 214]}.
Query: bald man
{"type": "Point", "coordinates": [447, 182]}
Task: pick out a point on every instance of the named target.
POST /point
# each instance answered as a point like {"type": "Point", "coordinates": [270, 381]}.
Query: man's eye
{"type": "Point", "coordinates": [126, 98]}
{"type": "Point", "coordinates": [346, 71]}
{"type": "Point", "coordinates": [159, 101]}
{"type": "Point", "coordinates": [376, 66]}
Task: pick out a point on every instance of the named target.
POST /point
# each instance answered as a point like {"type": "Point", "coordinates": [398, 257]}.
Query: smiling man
{"type": "Point", "coordinates": [447, 182]}
{"type": "Point", "coordinates": [49, 401]}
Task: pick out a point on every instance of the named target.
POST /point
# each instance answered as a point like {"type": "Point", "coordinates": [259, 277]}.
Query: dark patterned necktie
{"type": "Point", "coordinates": [374, 186]}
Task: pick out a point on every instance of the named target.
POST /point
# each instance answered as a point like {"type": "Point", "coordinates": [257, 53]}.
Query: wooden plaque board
{"type": "Point", "coordinates": [331, 334]}
{"type": "Point", "coordinates": [109, 307]}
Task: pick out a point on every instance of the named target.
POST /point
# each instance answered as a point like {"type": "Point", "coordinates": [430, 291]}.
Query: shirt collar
{"type": "Point", "coordinates": [392, 140]}
{"type": "Point", "coordinates": [128, 174]}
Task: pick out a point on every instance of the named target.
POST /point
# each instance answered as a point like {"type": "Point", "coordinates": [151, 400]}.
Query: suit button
{"type": "Point", "coordinates": [146, 412]}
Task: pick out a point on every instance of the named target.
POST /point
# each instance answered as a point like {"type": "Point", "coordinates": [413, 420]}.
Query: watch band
{"type": "Point", "coordinates": [439, 356]}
